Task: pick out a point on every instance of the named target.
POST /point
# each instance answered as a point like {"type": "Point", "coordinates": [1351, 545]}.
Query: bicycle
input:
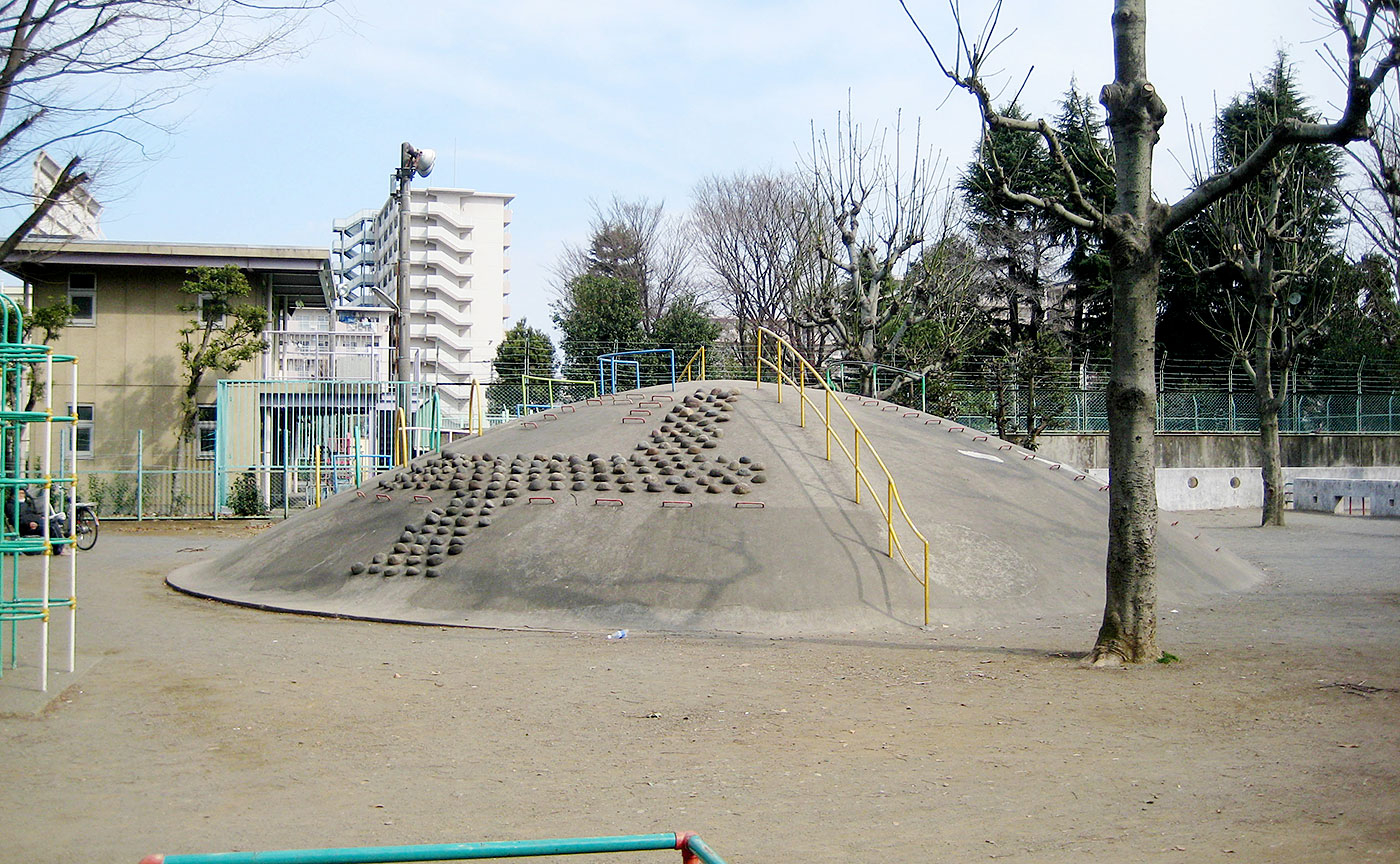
{"type": "Point", "coordinates": [86, 523]}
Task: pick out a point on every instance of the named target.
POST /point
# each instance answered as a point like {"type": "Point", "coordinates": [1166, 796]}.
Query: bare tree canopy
{"type": "Point", "coordinates": [876, 201]}
{"type": "Point", "coordinates": [1134, 232]}
{"type": "Point", "coordinates": [86, 76]}
{"type": "Point", "coordinates": [635, 242]}
{"type": "Point", "coordinates": [757, 238]}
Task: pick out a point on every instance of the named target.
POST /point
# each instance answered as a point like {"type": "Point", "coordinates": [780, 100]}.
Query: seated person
{"type": "Point", "coordinates": [31, 517]}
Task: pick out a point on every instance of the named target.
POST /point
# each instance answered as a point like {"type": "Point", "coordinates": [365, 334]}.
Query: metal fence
{"type": "Point", "coordinates": [1086, 411]}
{"type": "Point", "coordinates": [286, 445]}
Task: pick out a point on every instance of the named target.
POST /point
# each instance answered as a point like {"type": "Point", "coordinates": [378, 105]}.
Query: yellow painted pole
{"type": "Point", "coordinates": [925, 583]}
{"type": "Point", "coordinates": [855, 458]}
{"type": "Point", "coordinates": [704, 373]}
{"type": "Point", "coordinates": [802, 396]}
{"type": "Point", "coordinates": [889, 517]}
{"type": "Point", "coordinates": [758, 362]}
{"type": "Point", "coordinates": [828, 424]}
{"type": "Point", "coordinates": [778, 369]}
{"type": "Point", "coordinates": [318, 478]}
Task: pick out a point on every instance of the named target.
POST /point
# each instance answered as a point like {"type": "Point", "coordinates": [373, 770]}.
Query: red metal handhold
{"type": "Point", "coordinates": [427, 498]}
{"type": "Point", "coordinates": [682, 843]}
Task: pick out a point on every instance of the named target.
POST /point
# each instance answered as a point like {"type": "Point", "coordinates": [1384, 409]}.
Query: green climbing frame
{"type": "Point", "coordinates": [28, 446]}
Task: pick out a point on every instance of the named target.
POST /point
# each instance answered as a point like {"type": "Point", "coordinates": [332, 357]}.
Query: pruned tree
{"type": "Point", "coordinates": [1134, 232]}
{"type": "Point", "coordinates": [222, 335]}
{"type": "Point", "coordinates": [1271, 243]}
{"type": "Point", "coordinates": [88, 75]}
{"type": "Point", "coordinates": [1374, 203]}
{"type": "Point", "coordinates": [757, 238]}
{"type": "Point", "coordinates": [877, 208]}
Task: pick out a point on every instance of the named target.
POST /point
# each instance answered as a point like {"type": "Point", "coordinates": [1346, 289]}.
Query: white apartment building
{"type": "Point", "coordinates": [459, 242]}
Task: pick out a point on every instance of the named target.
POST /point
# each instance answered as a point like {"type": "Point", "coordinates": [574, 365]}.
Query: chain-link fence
{"type": "Point", "coordinates": [285, 445]}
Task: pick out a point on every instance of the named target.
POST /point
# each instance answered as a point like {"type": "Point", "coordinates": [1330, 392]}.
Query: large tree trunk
{"type": "Point", "coordinates": [1270, 460]}
{"type": "Point", "coordinates": [1134, 114]}
{"type": "Point", "coordinates": [1129, 630]}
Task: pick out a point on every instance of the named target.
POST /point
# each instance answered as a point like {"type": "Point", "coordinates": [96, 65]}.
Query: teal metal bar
{"type": "Point", "coordinates": [450, 851]}
{"type": "Point", "coordinates": [141, 474]}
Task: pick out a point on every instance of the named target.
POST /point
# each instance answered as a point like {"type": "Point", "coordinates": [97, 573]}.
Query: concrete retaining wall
{"type": "Point", "coordinates": [1347, 495]}
{"type": "Point", "coordinates": [1216, 450]}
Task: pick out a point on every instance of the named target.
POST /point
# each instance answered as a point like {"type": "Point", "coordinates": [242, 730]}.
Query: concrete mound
{"type": "Point", "coordinates": [703, 508]}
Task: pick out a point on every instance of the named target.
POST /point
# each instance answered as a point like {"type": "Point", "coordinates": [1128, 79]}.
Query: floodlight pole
{"type": "Point", "coordinates": [408, 163]}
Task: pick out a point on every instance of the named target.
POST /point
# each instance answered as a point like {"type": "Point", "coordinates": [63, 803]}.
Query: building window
{"type": "Point", "coordinates": [82, 430]}
{"type": "Point", "coordinates": [82, 296]}
{"type": "Point", "coordinates": [208, 434]}
{"type": "Point", "coordinates": [209, 311]}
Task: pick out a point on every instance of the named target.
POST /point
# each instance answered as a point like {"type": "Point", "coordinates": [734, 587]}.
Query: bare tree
{"type": "Point", "coordinates": [635, 242]}
{"type": "Point", "coordinates": [1374, 205]}
{"type": "Point", "coordinates": [85, 75]}
{"type": "Point", "coordinates": [941, 315]}
{"type": "Point", "coordinates": [878, 209]}
{"type": "Point", "coordinates": [756, 235]}
{"type": "Point", "coordinates": [1134, 233]}
{"type": "Point", "coordinates": [1271, 240]}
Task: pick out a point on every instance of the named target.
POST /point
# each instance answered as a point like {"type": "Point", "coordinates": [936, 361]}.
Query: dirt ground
{"type": "Point", "coordinates": [202, 727]}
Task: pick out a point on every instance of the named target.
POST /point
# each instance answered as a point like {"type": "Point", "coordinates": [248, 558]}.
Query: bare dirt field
{"type": "Point", "coordinates": [196, 726]}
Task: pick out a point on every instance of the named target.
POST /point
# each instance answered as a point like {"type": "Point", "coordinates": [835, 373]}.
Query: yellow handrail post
{"type": "Point", "coordinates": [925, 582]}
{"type": "Point", "coordinates": [704, 372]}
{"type": "Point", "coordinates": [855, 460]}
{"type": "Point", "coordinates": [801, 396]}
{"type": "Point", "coordinates": [318, 478]}
{"type": "Point", "coordinates": [758, 362]}
{"type": "Point", "coordinates": [828, 424]}
{"type": "Point", "coordinates": [889, 517]}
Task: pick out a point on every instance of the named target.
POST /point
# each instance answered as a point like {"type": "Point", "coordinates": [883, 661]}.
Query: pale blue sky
{"type": "Point", "coordinates": [562, 102]}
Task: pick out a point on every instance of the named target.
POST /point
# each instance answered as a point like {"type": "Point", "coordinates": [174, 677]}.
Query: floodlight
{"type": "Point", "coordinates": [426, 158]}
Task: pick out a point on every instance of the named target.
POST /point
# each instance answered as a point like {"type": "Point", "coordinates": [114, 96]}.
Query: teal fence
{"type": "Point", "coordinates": [693, 851]}
{"type": "Point", "coordinates": [1184, 403]}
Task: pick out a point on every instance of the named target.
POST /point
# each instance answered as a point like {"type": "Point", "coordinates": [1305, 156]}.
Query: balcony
{"type": "Point", "coordinates": [301, 356]}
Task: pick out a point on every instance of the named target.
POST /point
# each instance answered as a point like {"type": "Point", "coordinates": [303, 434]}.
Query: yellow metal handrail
{"type": "Point", "coordinates": [892, 498]}
{"type": "Point", "coordinates": [687, 371]}
{"type": "Point", "coordinates": [476, 409]}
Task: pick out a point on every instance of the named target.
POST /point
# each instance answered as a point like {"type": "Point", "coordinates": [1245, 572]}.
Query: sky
{"type": "Point", "coordinates": [563, 103]}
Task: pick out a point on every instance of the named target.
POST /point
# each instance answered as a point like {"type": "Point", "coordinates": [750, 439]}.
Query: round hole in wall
{"type": "Point", "coordinates": [1193, 483]}
{"type": "Point", "coordinates": [1234, 482]}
